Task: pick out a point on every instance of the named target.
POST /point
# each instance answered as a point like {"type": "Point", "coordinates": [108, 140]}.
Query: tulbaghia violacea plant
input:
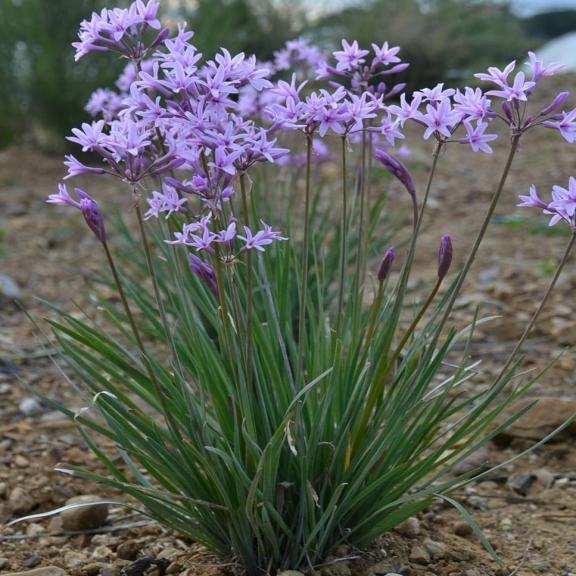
{"type": "Point", "coordinates": [252, 413]}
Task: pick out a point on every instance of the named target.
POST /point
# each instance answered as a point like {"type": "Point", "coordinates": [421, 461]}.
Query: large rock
{"type": "Point", "coordinates": [85, 517]}
{"type": "Point", "coordinates": [543, 418]}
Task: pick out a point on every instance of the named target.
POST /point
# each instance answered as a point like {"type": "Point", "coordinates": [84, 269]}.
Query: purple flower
{"type": "Point", "coordinates": [435, 95]}
{"type": "Point", "coordinates": [87, 206]}
{"type": "Point", "coordinates": [440, 119]}
{"type": "Point", "coordinates": [497, 76]}
{"type": "Point", "coordinates": [539, 70]}
{"type": "Point", "coordinates": [262, 238]}
{"type": "Point", "coordinates": [561, 208]}
{"type": "Point", "coordinates": [90, 137]}
{"type": "Point", "coordinates": [407, 111]}
{"type": "Point", "coordinates": [76, 168]}
{"type": "Point", "coordinates": [166, 201]}
{"type": "Point", "coordinates": [518, 91]}
{"type": "Point", "coordinates": [477, 138]}
{"type": "Point", "coordinates": [350, 57]}
{"type": "Point", "coordinates": [564, 200]}
{"type": "Point", "coordinates": [385, 55]}
{"type": "Point", "coordinates": [472, 103]}
{"type": "Point", "coordinates": [533, 200]}
{"type": "Point", "coordinates": [565, 124]}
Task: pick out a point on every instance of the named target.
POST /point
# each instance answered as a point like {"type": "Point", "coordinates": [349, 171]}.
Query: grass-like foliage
{"type": "Point", "coordinates": [273, 395]}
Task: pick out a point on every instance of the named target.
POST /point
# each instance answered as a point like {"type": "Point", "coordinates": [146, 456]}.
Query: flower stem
{"type": "Point", "coordinates": [472, 255]}
{"type": "Point", "coordinates": [305, 256]}
{"type": "Point", "coordinates": [343, 240]}
{"type": "Point", "coordinates": [541, 306]}
{"type": "Point", "coordinates": [249, 284]}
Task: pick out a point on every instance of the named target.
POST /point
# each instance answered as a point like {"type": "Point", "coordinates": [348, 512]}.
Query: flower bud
{"type": "Point", "coordinates": [507, 112]}
{"type": "Point", "coordinates": [204, 271]}
{"type": "Point", "coordinates": [386, 264]}
{"type": "Point", "coordinates": [557, 103]}
{"type": "Point", "coordinates": [92, 214]}
{"type": "Point", "coordinates": [397, 169]}
{"type": "Point", "coordinates": [444, 256]}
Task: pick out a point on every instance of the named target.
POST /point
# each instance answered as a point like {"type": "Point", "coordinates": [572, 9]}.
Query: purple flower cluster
{"type": "Point", "coordinates": [198, 126]}
{"type": "Point", "coordinates": [121, 30]}
{"type": "Point", "coordinates": [562, 207]}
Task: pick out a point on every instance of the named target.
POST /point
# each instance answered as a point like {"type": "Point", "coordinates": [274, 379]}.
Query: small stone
{"type": "Point", "coordinates": [419, 554]}
{"type": "Point", "coordinates": [478, 460]}
{"type": "Point", "coordinates": [506, 524]}
{"type": "Point", "coordinates": [409, 528]}
{"type": "Point", "coordinates": [4, 563]}
{"type": "Point", "coordinates": [21, 462]}
{"type": "Point", "coordinates": [20, 502]}
{"type": "Point", "coordinates": [3, 489]}
{"type": "Point", "coordinates": [128, 550]}
{"type": "Point", "coordinates": [92, 569]}
{"type": "Point", "coordinates": [101, 553]}
{"type": "Point", "coordinates": [544, 477]}
{"type": "Point", "coordinates": [43, 571]}
{"type": "Point", "coordinates": [30, 406]}
{"type": "Point", "coordinates": [8, 287]}
{"type": "Point", "coordinates": [542, 567]}
{"type": "Point", "coordinates": [85, 517]}
{"type": "Point", "coordinates": [33, 530]}
{"type": "Point", "coordinates": [74, 559]}
{"type": "Point", "coordinates": [32, 561]}
{"type": "Point", "coordinates": [436, 549]}
{"type": "Point", "coordinates": [462, 529]}
{"type": "Point", "coordinates": [336, 569]}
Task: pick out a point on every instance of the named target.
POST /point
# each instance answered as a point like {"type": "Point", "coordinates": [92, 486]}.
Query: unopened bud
{"type": "Point", "coordinates": [444, 256]}
{"type": "Point", "coordinates": [397, 169]}
{"type": "Point", "coordinates": [92, 214]}
{"type": "Point", "coordinates": [386, 264]}
{"type": "Point", "coordinates": [557, 103]}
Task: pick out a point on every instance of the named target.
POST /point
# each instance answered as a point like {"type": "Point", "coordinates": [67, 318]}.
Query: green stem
{"type": "Point", "coordinates": [472, 255]}
{"type": "Point", "coordinates": [343, 240]}
{"type": "Point", "coordinates": [543, 303]}
{"type": "Point", "coordinates": [249, 285]}
{"type": "Point", "coordinates": [305, 258]}
{"type": "Point", "coordinates": [358, 276]}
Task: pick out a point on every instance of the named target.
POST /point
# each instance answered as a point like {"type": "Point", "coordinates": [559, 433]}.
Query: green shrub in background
{"type": "Point", "coordinates": [440, 38]}
{"type": "Point", "coordinates": [41, 86]}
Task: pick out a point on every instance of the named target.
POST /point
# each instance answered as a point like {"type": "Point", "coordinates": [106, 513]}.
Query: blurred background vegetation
{"type": "Point", "coordinates": [43, 92]}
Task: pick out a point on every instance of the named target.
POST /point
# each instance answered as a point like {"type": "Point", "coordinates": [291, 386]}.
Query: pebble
{"type": "Point", "coordinates": [436, 549]}
{"type": "Point", "coordinates": [21, 461]}
{"type": "Point", "coordinates": [84, 517]}
{"type": "Point", "coordinates": [43, 571]}
{"type": "Point", "coordinates": [128, 550]}
{"type": "Point", "coordinates": [3, 489]}
{"type": "Point", "coordinates": [30, 406]}
{"type": "Point", "coordinates": [20, 502]}
{"type": "Point", "coordinates": [32, 561]}
{"type": "Point", "coordinates": [419, 554]}
{"type": "Point", "coordinates": [8, 287]}
{"type": "Point", "coordinates": [409, 528]}
{"type": "Point", "coordinates": [544, 477]}
{"type": "Point", "coordinates": [462, 529]}
{"type": "Point", "coordinates": [101, 553]}
{"type": "Point", "coordinates": [33, 530]}
{"type": "Point", "coordinates": [4, 563]}
{"type": "Point", "coordinates": [92, 569]}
